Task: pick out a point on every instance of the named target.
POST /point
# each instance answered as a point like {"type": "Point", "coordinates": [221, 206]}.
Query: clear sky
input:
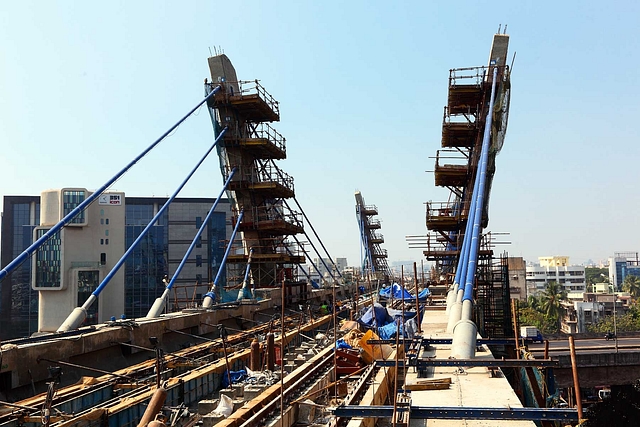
{"type": "Point", "coordinates": [361, 85]}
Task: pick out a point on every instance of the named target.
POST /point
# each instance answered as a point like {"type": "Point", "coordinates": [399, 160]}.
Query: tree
{"type": "Point", "coordinates": [631, 284]}
{"type": "Point", "coordinates": [551, 301]}
{"type": "Point", "coordinates": [534, 302]}
{"type": "Point", "coordinates": [595, 275]}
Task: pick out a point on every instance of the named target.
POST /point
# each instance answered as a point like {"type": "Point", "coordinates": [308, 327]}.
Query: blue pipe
{"type": "Point", "coordinates": [466, 244]}
{"type": "Point", "coordinates": [481, 178]}
{"type": "Point", "coordinates": [226, 253]}
{"type": "Point", "coordinates": [64, 221]}
{"type": "Point", "coordinates": [164, 207]}
{"type": "Point", "coordinates": [200, 231]}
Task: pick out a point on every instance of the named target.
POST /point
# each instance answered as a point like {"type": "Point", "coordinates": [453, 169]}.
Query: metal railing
{"type": "Point", "coordinates": [261, 214]}
{"type": "Point", "coordinates": [446, 209]}
{"type": "Point", "coordinates": [266, 173]}
{"type": "Point", "coordinates": [475, 75]}
{"type": "Point", "coordinates": [253, 87]}
{"type": "Point", "coordinates": [374, 223]}
{"type": "Point", "coordinates": [264, 130]}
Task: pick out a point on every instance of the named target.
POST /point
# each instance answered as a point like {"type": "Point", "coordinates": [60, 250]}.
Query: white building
{"type": "Point", "coordinates": [555, 269]}
{"type": "Point", "coordinates": [71, 264]}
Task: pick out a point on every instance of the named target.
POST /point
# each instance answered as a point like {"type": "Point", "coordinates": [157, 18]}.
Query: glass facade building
{"type": "Point", "coordinates": [144, 270]}
{"type": "Point", "coordinates": [148, 263]}
{"type": "Point", "coordinates": [18, 302]}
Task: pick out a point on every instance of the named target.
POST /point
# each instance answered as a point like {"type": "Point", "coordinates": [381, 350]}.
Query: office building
{"type": "Point", "coordinates": [621, 265]}
{"type": "Point", "coordinates": [140, 280]}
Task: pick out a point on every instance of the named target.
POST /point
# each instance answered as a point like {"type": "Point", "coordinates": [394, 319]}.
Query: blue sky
{"type": "Point", "coordinates": [361, 87]}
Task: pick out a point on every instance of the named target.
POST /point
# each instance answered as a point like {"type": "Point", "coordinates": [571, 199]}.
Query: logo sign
{"type": "Point", "coordinates": [110, 199]}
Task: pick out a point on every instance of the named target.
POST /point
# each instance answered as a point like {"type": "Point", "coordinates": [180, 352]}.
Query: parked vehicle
{"type": "Point", "coordinates": [609, 336]}
{"type": "Point", "coordinates": [531, 333]}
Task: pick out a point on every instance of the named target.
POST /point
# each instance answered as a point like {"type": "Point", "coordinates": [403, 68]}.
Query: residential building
{"type": "Point", "coordinates": [517, 278]}
{"type": "Point", "coordinates": [319, 271]}
{"type": "Point", "coordinates": [100, 232]}
{"type": "Point", "coordinates": [555, 269]}
{"type": "Point", "coordinates": [578, 315]}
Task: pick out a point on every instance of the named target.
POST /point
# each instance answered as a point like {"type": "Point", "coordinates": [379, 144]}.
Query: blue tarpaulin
{"type": "Point", "coordinates": [397, 314]}
{"type": "Point", "coordinates": [342, 344]}
{"type": "Point", "coordinates": [395, 291]}
{"type": "Point", "coordinates": [388, 331]}
{"type": "Point", "coordinates": [381, 316]}
{"type": "Point", "coordinates": [235, 377]}
{"type": "Point", "coordinates": [424, 294]}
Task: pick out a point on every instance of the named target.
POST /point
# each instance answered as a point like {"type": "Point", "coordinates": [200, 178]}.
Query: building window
{"type": "Point", "coordinates": [199, 279]}
{"type": "Point", "coordinates": [198, 222]}
{"type": "Point", "coordinates": [198, 260]}
{"type": "Point", "coordinates": [106, 241]}
{"type": "Point", "coordinates": [106, 221]}
{"type": "Point", "coordinates": [102, 241]}
{"type": "Point", "coordinates": [88, 281]}
{"type": "Point", "coordinates": [70, 201]}
{"type": "Point", "coordinates": [106, 232]}
{"type": "Point", "coordinates": [199, 242]}
{"type": "Point", "coordinates": [48, 258]}
{"type": "Point", "coordinates": [101, 221]}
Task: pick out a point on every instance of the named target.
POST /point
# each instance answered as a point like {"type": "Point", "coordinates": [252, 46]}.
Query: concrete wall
{"type": "Point", "coordinates": [599, 369]}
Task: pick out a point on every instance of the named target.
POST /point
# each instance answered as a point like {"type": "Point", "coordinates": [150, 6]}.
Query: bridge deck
{"type": "Point", "coordinates": [475, 387]}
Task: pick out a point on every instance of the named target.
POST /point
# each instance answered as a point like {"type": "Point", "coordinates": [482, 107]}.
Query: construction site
{"type": "Point", "coordinates": [269, 346]}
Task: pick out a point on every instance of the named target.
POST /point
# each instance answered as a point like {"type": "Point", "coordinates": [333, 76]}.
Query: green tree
{"type": "Point", "coordinates": [534, 302]}
{"type": "Point", "coordinates": [551, 301]}
{"type": "Point", "coordinates": [631, 284]}
{"type": "Point", "coordinates": [594, 275]}
{"type": "Point", "coordinates": [528, 316]}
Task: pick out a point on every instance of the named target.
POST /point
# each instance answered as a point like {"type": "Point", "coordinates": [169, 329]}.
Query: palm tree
{"type": "Point", "coordinates": [534, 302]}
{"type": "Point", "coordinates": [551, 301]}
{"type": "Point", "coordinates": [631, 284]}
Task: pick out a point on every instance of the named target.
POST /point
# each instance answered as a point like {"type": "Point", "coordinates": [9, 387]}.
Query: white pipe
{"type": "Point", "coordinates": [451, 298]}
{"type": "Point", "coordinates": [464, 340]}
{"type": "Point", "coordinates": [158, 305]}
{"type": "Point", "coordinates": [454, 315]}
{"type": "Point", "coordinates": [77, 316]}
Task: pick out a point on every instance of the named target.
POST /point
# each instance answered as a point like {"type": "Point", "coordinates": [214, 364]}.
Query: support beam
{"type": "Point", "coordinates": [494, 363]}
{"type": "Point", "coordinates": [459, 413]}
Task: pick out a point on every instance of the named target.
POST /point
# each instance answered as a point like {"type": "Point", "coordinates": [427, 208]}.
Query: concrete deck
{"type": "Point", "coordinates": [474, 387]}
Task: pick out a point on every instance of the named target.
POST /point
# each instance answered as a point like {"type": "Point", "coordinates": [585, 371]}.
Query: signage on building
{"type": "Point", "coordinates": [110, 199]}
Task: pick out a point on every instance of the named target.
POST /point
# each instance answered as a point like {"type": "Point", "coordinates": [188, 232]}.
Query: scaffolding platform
{"type": "Point", "coordinates": [459, 134]}
{"type": "Point", "coordinates": [451, 175]}
{"type": "Point", "coordinates": [445, 217]}
{"type": "Point", "coordinates": [263, 142]}
{"type": "Point", "coordinates": [438, 254]}
{"type": "Point", "coordinates": [253, 102]}
{"type": "Point", "coordinates": [275, 227]}
{"type": "Point", "coordinates": [267, 189]}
